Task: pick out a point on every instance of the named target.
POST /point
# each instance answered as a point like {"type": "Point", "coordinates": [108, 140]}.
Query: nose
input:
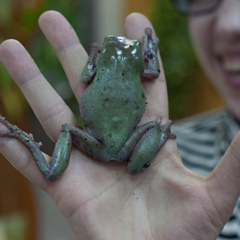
{"type": "Point", "coordinates": [228, 17]}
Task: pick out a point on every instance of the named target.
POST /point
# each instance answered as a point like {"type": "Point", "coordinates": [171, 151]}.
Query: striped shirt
{"type": "Point", "coordinates": [202, 141]}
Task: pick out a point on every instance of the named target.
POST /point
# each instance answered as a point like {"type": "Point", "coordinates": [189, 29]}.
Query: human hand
{"type": "Point", "coordinates": [101, 200]}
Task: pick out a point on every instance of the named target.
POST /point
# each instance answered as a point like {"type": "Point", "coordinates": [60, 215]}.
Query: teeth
{"type": "Point", "coordinates": [232, 65]}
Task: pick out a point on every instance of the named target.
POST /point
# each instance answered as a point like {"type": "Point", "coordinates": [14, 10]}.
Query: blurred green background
{"type": "Point", "coordinates": [19, 20]}
{"type": "Point", "coordinates": [180, 64]}
{"type": "Point", "coordinates": [188, 88]}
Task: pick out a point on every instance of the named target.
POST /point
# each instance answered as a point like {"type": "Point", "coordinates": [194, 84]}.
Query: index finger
{"type": "Point", "coordinates": [67, 46]}
{"type": "Point", "coordinates": [156, 90]}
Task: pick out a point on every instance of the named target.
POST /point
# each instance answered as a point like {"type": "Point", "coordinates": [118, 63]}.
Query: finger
{"type": "Point", "coordinates": [48, 106]}
{"type": "Point", "coordinates": [66, 44]}
{"type": "Point", "coordinates": [156, 90]}
{"type": "Point", "coordinates": [223, 184]}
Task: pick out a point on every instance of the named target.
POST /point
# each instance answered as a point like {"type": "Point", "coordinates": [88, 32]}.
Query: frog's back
{"type": "Point", "coordinates": [114, 102]}
{"type": "Point", "coordinates": [116, 105]}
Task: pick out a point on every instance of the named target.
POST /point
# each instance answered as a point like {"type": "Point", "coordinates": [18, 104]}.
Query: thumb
{"type": "Point", "coordinates": [223, 184]}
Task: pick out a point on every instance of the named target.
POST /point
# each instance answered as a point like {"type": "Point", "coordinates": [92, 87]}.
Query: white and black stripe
{"type": "Point", "coordinates": [202, 141]}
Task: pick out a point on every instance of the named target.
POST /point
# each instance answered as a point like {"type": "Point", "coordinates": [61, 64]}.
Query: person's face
{"type": "Point", "coordinates": [216, 37]}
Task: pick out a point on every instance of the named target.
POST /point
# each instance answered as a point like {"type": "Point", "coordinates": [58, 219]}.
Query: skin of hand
{"type": "Point", "coordinates": [101, 200]}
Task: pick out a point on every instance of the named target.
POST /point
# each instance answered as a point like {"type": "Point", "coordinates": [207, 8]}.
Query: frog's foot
{"type": "Point", "coordinates": [166, 131]}
{"type": "Point", "coordinates": [152, 69]}
{"type": "Point", "coordinates": [14, 131]}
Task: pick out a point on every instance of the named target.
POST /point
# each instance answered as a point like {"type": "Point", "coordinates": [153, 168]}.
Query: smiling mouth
{"type": "Point", "coordinates": [231, 65]}
{"type": "Point", "coordinates": [231, 68]}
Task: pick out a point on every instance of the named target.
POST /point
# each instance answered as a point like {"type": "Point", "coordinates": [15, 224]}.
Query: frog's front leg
{"type": "Point", "coordinates": [152, 68]}
{"type": "Point", "coordinates": [89, 71]}
{"type": "Point", "coordinates": [61, 154]}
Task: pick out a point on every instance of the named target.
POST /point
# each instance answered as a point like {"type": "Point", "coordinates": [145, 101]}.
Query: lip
{"type": "Point", "coordinates": [230, 64]}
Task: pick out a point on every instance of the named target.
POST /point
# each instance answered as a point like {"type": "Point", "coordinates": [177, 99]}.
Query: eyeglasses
{"type": "Point", "coordinates": [196, 7]}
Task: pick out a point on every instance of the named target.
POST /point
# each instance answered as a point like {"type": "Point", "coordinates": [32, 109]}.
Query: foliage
{"type": "Point", "coordinates": [180, 64]}
{"type": "Point", "coordinates": [19, 20]}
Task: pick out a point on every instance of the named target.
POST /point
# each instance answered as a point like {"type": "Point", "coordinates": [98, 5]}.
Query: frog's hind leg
{"type": "Point", "coordinates": [61, 154]}
{"type": "Point", "coordinates": [148, 146]}
{"type": "Point", "coordinates": [86, 143]}
{"type": "Point", "coordinates": [131, 143]}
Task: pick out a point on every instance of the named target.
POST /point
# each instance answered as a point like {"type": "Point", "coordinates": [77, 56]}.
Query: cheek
{"type": "Point", "coordinates": [202, 35]}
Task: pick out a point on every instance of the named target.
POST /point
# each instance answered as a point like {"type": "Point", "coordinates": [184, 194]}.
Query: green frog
{"type": "Point", "coordinates": [111, 107]}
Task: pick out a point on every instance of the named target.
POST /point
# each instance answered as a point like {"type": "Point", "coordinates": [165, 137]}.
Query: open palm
{"type": "Point", "coordinates": [101, 200]}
